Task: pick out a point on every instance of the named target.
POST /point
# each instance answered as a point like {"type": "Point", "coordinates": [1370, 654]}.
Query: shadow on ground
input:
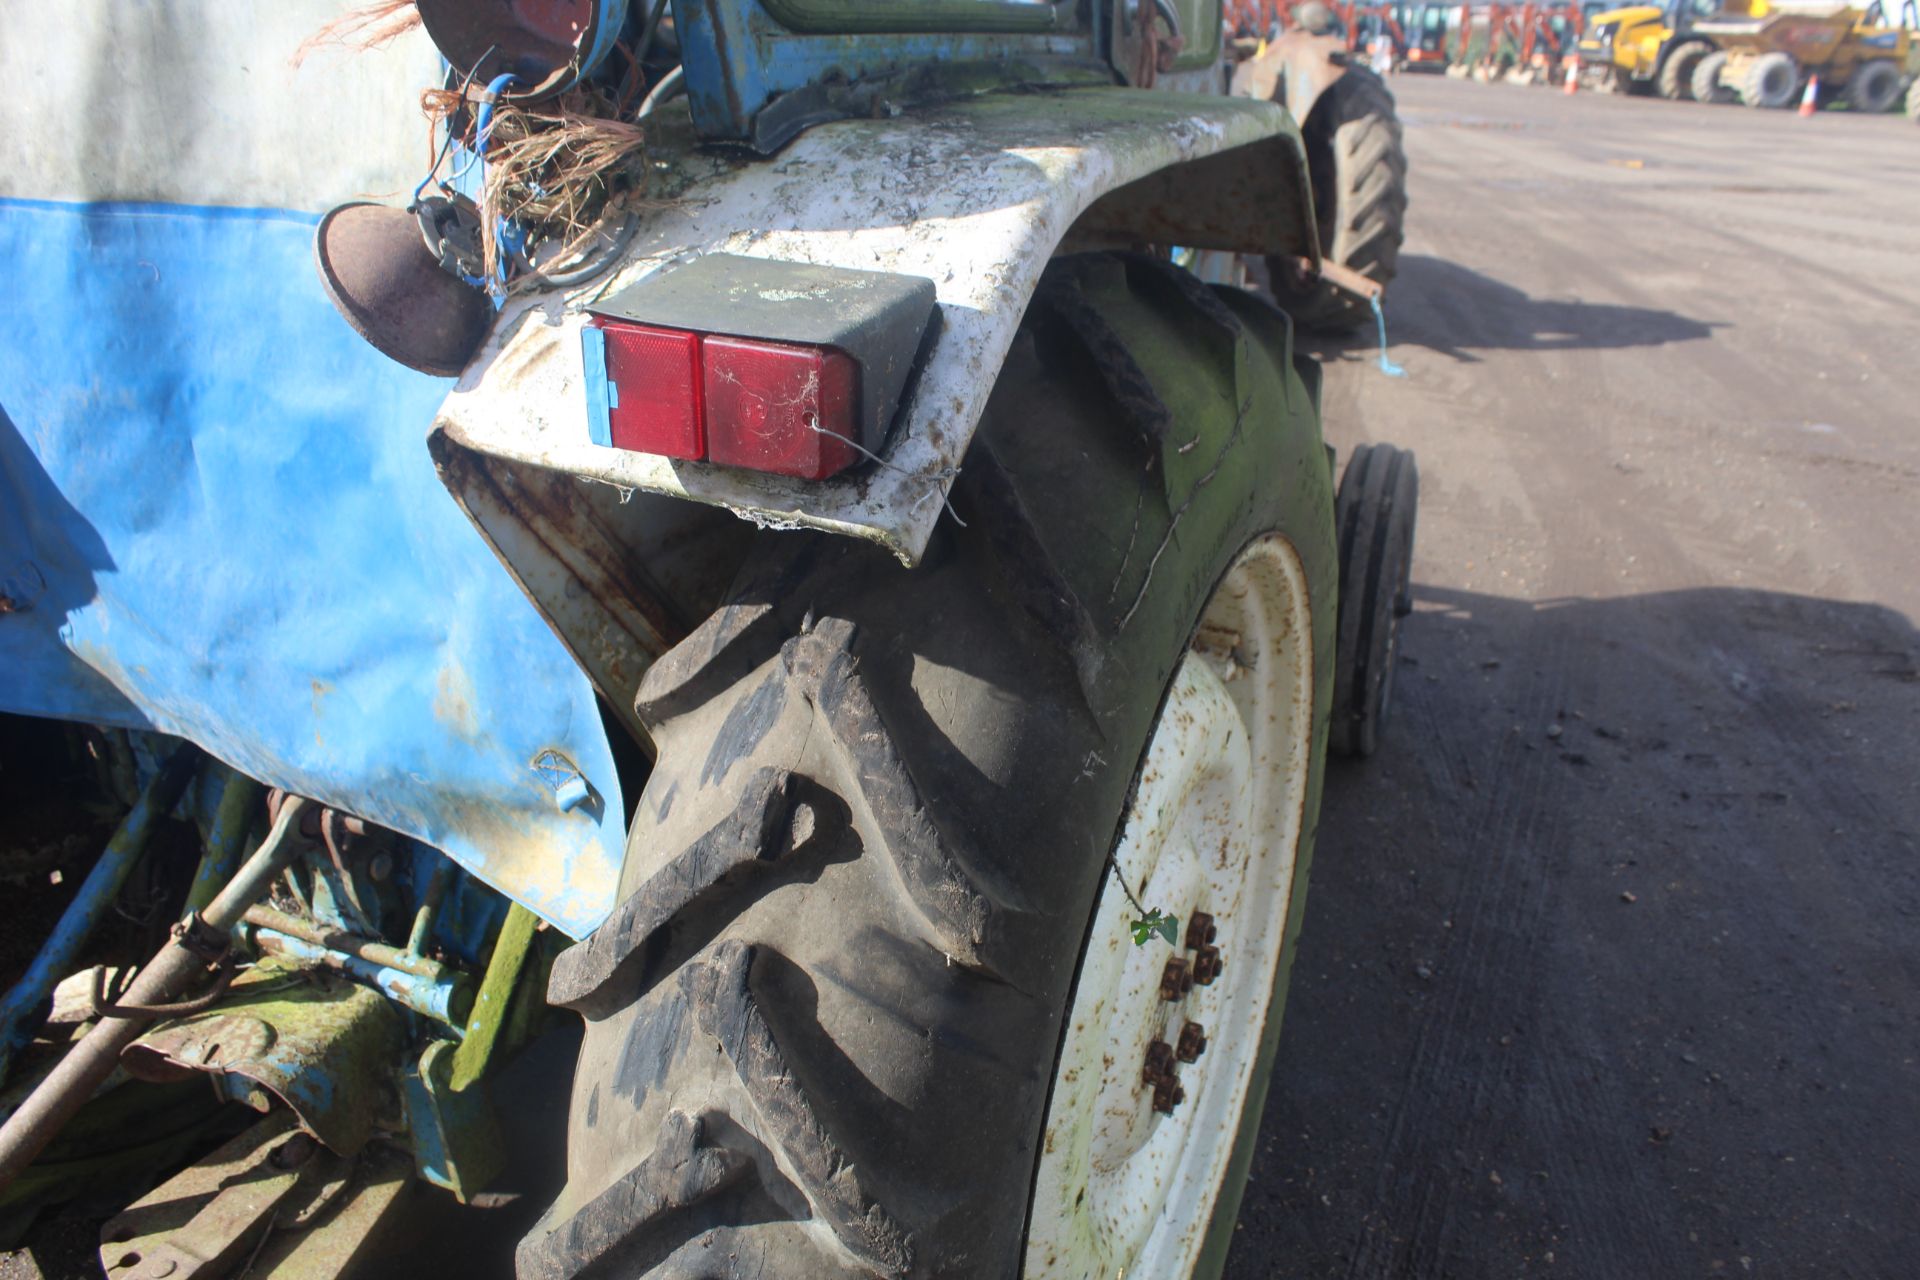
{"type": "Point", "coordinates": [1610, 965]}
{"type": "Point", "coordinates": [1455, 311]}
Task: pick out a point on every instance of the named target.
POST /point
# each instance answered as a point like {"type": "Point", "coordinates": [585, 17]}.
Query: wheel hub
{"type": "Point", "coordinates": [1146, 1102]}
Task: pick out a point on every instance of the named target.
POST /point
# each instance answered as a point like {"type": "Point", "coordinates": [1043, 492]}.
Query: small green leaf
{"type": "Point", "coordinates": [1153, 922]}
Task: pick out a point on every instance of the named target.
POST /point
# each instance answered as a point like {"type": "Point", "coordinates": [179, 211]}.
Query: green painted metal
{"type": "Point", "coordinates": [494, 1003]}
{"type": "Point", "coordinates": [233, 820]}
{"type": "Point", "coordinates": [456, 1137]}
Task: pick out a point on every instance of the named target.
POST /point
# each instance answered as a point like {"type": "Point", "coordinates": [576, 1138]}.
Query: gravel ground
{"type": "Point", "coordinates": [1610, 963]}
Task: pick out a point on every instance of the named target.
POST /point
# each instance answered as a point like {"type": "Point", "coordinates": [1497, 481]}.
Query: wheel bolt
{"type": "Point", "coordinates": [1200, 930]}
{"type": "Point", "coordinates": [1176, 979]}
{"type": "Point", "coordinates": [1193, 1043]}
{"type": "Point", "coordinates": [1159, 1074]}
{"type": "Point", "coordinates": [1207, 964]}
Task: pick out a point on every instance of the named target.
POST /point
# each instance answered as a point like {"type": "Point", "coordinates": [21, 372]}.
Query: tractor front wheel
{"type": "Point", "coordinates": [1374, 513]}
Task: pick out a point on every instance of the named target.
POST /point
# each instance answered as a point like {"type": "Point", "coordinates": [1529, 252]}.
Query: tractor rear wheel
{"type": "Point", "coordinates": [872, 928]}
{"type": "Point", "coordinates": [1706, 85]}
{"type": "Point", "coordinates": [1676, 73]}
{"type": "Point", "coordinates": [1874, 86]}
{"type": "Point", "coordinates": [1359, 171]}
{"type": "Point", "coordinates": [1771, 81]}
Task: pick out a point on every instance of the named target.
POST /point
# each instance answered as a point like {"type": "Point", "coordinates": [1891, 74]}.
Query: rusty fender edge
{"type": "Point", "coordinates": [976, 196]}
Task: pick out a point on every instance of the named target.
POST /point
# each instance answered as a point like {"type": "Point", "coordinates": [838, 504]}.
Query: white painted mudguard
{"type": "Point", "coordinates": [975, 195]}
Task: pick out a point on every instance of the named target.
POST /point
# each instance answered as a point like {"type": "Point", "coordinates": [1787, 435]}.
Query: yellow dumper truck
{"type": "Point", "coordinates": [1768, 49]}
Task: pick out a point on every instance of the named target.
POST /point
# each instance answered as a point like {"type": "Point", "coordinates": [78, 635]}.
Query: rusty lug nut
{"type": "Point", "coordinates": [1193, 1043]}
{"type": "Point", "coordinates": [1207, 964]}
{"type": "Point", "coordinates": [1175, 980]}
{"type": "Point", "coordinates": [1200, 931]}
{"type": "Point", "coordinates": [1159, 1073]}
{"type": "Point", "coordinates": [1159, 1065]}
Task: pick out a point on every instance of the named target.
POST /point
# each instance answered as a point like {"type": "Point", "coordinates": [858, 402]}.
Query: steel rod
{"type": "Point", "coordinates": [173, 970]}
{"type": "Point", "coordinates": [96, 893]}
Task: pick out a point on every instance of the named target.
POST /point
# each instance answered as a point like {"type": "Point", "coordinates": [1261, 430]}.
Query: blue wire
{"type": "Point", "coordinates": [484, 122]}
{"type": "Point", "coordinates": [483, 125]}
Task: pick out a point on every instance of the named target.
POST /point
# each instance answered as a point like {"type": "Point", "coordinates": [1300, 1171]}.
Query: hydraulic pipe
{"type": "Point", "coordinates": [446, 999]}
{"type": "Point", "coordinates": [174, 969]}
{"type": "Point", "coordinates": [96, 894]}
{"type": "Point", "coordinates": [369, 949]}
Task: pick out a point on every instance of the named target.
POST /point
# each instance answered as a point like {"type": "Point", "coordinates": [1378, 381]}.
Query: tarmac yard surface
{"type": "Point", "coordinates": [1612, 956]}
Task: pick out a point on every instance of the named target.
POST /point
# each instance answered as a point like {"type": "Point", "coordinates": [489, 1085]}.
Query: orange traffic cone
{"type": "Point", "coordinates": [1811, 98]}
{"type": "Point", "coordinates": [1572, 66]}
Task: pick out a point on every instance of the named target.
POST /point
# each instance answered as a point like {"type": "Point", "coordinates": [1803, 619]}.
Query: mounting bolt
{"type": "Point", "coordinates": [1207, 964]}
{"type": "Point", "coordinates": [1175, 979]}
{"type": "Point", "coordinates": [1159, 1073]}
{"type": "Point", "coordinates": [1200, 930]}
{"type": "Point", "coordinates": [1193, 1043]}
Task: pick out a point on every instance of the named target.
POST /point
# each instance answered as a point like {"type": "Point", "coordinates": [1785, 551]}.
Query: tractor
{"type": "Point", "coordinates": [722, 537]}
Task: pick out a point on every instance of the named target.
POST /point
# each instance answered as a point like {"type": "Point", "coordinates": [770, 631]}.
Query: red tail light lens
{"type": "Point", "coordinates": [774, 407]}
{"type": "Point", "coordinates": [654, 378]}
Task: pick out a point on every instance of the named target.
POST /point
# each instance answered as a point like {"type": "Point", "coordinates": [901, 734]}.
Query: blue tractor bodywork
{"type": "Point", "coordinates": [218, 520]}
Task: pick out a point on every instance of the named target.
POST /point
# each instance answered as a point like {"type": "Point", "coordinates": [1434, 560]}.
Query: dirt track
{"type": "Point", "coordinates": [1611, 965]}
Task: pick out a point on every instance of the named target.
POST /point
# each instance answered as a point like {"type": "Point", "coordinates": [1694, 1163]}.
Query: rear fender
{"type": "Point", "coordinates": [1295, 70]}
{"type": "Point", "coordinates": [975, 196]}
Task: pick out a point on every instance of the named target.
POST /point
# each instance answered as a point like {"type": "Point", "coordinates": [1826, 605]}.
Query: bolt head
{"type": "Point", "coordinates": [1159, 1063]}
{"type": "Point", "coordinates": [1176, 979]}
{"type": "Point", "coordinates": [1201, 930]}
{"type": "Point", "coordinates": [1207, 964]}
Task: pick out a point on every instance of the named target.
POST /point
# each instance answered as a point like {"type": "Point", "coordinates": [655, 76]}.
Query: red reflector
{"type": "Point", "coordinates": [654, 377]}
{"type": "Point", "coordinates": [778, 408]}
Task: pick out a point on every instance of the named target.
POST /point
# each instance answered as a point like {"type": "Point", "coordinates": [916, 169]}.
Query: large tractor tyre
{"type": "Point", "coordinates": [870, 949]}
{"type": "Point", "coordinates": [1874, 86]}
{"type": "Point", "coordinates": [1707, 85]}
{"type": "Point", "coordinates": [1913, 101]}
{"type": "Point", "coordinates": [1374, 515]}
{"type": "Point", "coordinates": [1676, 72]}
{"type": "Point", "coordinates": [1358, 168]}
{"type": "Point", "coordinates": [1771, 81]}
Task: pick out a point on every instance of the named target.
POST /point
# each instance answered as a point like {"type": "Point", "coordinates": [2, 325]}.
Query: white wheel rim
{"type": "Point", "coordinates": [1214, 826]}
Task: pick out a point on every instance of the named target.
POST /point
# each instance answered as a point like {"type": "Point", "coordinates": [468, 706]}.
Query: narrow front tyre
{"type": "Point", "coordinates": [1374, 513]}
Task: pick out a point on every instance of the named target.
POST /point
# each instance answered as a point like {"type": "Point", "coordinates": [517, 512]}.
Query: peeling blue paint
{"type": "Point", "coordinates": [221, 504]}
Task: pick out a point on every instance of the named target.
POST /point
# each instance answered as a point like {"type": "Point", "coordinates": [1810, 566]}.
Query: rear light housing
{"type": "Point", "coordinates": [778, 367]}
